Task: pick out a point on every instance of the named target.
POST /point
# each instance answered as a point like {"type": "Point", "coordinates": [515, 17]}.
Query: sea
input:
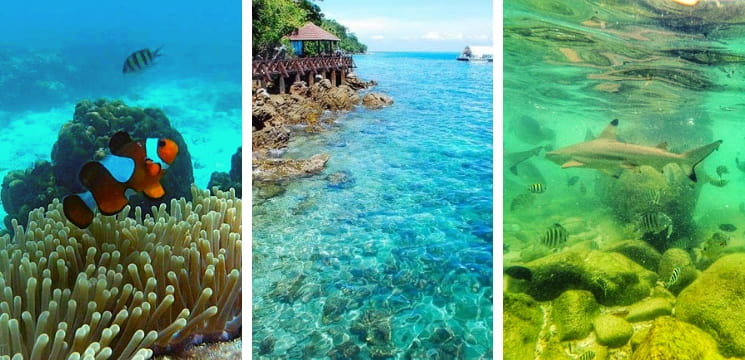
{"type": "Point", "coordinates": [55, 54]}
{"type": "Point", "coordinates": [388, 252]}
{"type": "Point", "coordinates": [672, 75]}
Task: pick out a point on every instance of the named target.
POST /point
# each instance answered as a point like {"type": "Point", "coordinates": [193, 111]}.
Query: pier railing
{"type": "Point", "coordinates": [266, 69]}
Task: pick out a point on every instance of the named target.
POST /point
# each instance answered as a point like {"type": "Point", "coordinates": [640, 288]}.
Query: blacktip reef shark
{"type": "Point", "coordinates": [609, 155]}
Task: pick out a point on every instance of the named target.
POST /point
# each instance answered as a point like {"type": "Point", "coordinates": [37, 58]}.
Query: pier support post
{"type": "Point", "coordinates": [311, 78]}
{"type": "Point", "coordinates": [333, 78]}
{"type": "Point", "coordinates": [281, 84]}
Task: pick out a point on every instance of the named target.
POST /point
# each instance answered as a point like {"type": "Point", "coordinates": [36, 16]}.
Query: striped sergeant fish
{"type": "Point", "coordinates": [587, 356]}
{"type": "Point", "coordinates": [536, 188]}
{"type": "Point", "coordinates": [673, 277]}
{"type": "Point", "coordinates": [139, 60]}
{"type": "Point", "coordinates": [555, 236]}
{"type": "Point", "coordinates": [655, 222]}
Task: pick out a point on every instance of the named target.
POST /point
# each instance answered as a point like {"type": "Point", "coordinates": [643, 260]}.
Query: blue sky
{"type": "Point", "coordinates": [416, 25]}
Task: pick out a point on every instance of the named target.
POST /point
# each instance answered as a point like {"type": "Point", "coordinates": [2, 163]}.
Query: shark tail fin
{"type": "Point", "coordinates": [695, 156]}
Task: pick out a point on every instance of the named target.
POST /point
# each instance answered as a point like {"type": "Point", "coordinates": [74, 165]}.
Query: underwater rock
{"type": "Point", "coordinates": [640, 252]}
{"type": "Point", "coordinates": [340, 180]}
{"type": "Point", "coordinates": [334, 308]}
{"type": "Point", "coordinates": [612, 331]}
{"type": "Point", "coordinates": [711, 303]}
{"type": "Point", "coordinates": [669, 338]}
{"type": "Point", "coordinates": [345, 351]}
{"type": "Point", "coordinates": [649, 309]}
{"type": "Point", "coordinates": [23, 191]}
{"type": "Point", "coordinates": [573, 312]}
{"type": "Point", "coordinates": [225, 181]}
{"type": "Point", "coordinates": [676, 258]}
{"type": "Point", "coordinates": [611, 277]}
{"type": "Point", "coordinates": [523, 317]}
{"type": "Point", "coordinates": [283, 169]}
{"type": "Point", "coordinates": [376, 100]}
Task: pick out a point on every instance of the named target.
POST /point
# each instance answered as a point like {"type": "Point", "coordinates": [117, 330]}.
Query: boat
{"type": "Point", "coordinates": [476, 54]}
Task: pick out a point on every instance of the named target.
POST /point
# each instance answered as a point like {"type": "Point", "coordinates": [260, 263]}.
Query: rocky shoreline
{"type": "Point", "coordinates": [276, 118]}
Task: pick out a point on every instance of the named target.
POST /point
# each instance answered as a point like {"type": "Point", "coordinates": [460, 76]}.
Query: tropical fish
{"type": "Point", "coordinates": [655, 222]}
{"type": "Point", "coordinates": [727, 227]}
{"type": "Point", "coordinates": [522, 201]}
{"type": "Point", "coordinates": [609, 155]}
{"type": "Point", "coordinates": [740, 165]}
{"type": "Point", "coordinates": [530, 131]}
{"type": "Point", "coordinates": [131, 167]}
{"type": "Point", "coordinates": [572, 180]}
{"type": "Point", "coordinates": [536, 188]}
{"type": "Point", "coordinates": [654, 196]}
{"type": "Point", "coordinates": [719, 238]}
{"type": "Point", "coordinates": [721, 170]}
{"type": "Point", "coordinates": [673, 277]}
{"type": "Point", "coordinates": [719, 182]}
{"type": "Point", "coordinates": [589, 355]}
{"type": "Point", "coordinates": [140, 60]}
{"type": "Point", "coordinates": [555, 236]}
{"type": "Point", "coordinates": [514, 159]}
{"type": "Point", "coordinates": [519, 272]}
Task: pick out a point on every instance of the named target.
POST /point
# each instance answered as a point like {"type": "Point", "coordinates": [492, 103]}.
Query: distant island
{"type": "Point", "coordinates": [273, 20]}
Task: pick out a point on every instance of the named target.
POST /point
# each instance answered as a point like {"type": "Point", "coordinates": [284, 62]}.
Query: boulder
{"type": "Point", "coordinates": [612, 331]}
{"type": "Point", "coordinates": [676, 258]}
{"type": "Point", "coordinates": [649, 309]}
{"type": "Point", "coordinates": [376, 100]}
{"type": "Point", "coordinates": [611, 277]}
{"type": "Point", "coordinates": [640, 252]}
{"type": "Point", "coordinates": [523, 319]}
{"type": "Point", "coordinates": [274, 170]}
{"type": "Point", "coordinates": [672, 339]}
{"type": "Point", "coordinates": [224, 181]}
{"type": "Point", "coordinates": [714, 303]}
{"type": "Point", "coordinates": [573, 312]}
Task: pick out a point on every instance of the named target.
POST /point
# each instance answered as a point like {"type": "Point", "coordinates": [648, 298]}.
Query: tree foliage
{"type": "Point", "coordinates": [273, 19]}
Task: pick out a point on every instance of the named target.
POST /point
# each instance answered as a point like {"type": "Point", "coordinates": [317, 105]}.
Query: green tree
{"type": "Point", "coordinates": [273, 19]}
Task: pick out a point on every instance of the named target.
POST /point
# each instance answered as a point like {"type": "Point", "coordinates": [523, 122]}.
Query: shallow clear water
{"type": "Point", "coordinates": [410, 231]}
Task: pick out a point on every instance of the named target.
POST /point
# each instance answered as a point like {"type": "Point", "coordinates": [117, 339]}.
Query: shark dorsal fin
{"type": "Point", "coordinates": [609, 133]}
{"type": "Point", "coordinates": [662, 145]}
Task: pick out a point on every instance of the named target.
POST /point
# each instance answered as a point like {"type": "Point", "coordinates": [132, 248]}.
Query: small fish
{"type": "Point", "coordinates": [522, 201]}
{"type": "Point", "coordinates": [673, 277]}
{"type": "Point", "coordinates": [519, 272]}
{"type": "Point", "coordinates": [132, 166]}
{"type": "Point", "coordinates": [719, 182]}
{"type": "Point", "coordinates": [582, 188]}
{"type": "Point", "coordinates": [555, 236]}
{"type": "Point", "coordinates": [654, 196]}
{"type": "Point", "coordinates": [572, 180]}
{"type": "Point", "coordinates": [536, 188]}
{"type": "Point", "coordinates": [656, 222]}
{"type": "Point", "coordinates": [140, 60]}
{"type": "Point", "coordinates": [587, 356]}
{"type": "Point", "coordinates": [727, 227]}
{"type": "Point", "coordinates": [721, 170]}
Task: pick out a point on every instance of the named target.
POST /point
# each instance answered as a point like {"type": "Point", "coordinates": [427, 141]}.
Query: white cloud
{"type": "Point", "coordinates": [436, 36]}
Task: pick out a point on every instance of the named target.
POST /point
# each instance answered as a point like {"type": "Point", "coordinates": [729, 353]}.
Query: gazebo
{"type": "Point", "coordinates": [312, 32]}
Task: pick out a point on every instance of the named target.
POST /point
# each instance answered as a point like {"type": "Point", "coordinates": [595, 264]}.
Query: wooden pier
{"type": "Point", "coordinates": [282, 73]}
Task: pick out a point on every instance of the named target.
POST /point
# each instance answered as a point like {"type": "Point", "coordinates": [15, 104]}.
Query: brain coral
{"type": "Point", "coordinates": [124, 288]}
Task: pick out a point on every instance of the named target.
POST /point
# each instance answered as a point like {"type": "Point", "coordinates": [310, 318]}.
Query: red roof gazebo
{"type": "Point", "coordinates": [312, 32]}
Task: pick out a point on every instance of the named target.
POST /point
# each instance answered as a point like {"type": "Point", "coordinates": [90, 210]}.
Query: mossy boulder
{"type": "Point", "coordinates": [714, 303]}
{"type": "Point", "coordinates": [224, 181]}
{"type": "Point", "coordinates": [672, 339]}
{"type": "Point", "coordinates": [677, 258]}
{"type": "Point", "coordinates": [523, 319]}
{"type": "Point", "coordinates": [573, 312]}
{"type": "Point", "coordinates": [611, 277]}
{"type": "Point", "coordinates": [649, 309]}
{"type": "Point", "coordinates": [612, 331]}
{"type": "Point", "coordinates": [640, 252]}
{"type": "Point", "coordinates": [86, 138]}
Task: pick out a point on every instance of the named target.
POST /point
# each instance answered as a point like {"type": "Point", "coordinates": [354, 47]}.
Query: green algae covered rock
{"type": "Point", "coordinates": [671, 339]}
{"type": "Point", "coordinates": [649, 309]}
{"type": "Point", "coordinates": [714, 302]}
{"type": "Point", "coordinates": [677, 258]}
{"type": "Point", "coordinates": [573, 312]}
{"type": "Point", "coordinates": [612, 331]}
{"type": "Point", "coordinates": [25, 190]}
{"type": "Point", "coordinates": [640, 252]}
{"type": "Point", "coordinates": [611, 277]}
{"type": "Point", "coordinates": [523, 319]}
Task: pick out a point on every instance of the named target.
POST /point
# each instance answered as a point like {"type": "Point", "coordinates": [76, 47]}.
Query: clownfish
{"type": "Point", "coordinates": [131, 167]}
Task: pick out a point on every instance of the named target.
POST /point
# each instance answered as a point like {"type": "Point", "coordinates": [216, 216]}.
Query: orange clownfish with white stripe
{"type": "Point", "coordinates": [131, 167]}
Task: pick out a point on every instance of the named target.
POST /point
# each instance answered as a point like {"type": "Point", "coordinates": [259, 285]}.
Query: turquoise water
{"type": "Point", "coordinates": [408, 234]}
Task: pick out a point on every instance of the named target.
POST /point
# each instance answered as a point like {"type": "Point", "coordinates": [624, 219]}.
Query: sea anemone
{"type": "Point", "coordinates": [125, 288]}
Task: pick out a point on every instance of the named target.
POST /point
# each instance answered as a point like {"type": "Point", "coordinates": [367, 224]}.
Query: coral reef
{"type": "Point", "coordinates": [125, 287]}
{"type": "Point", "coordinates": [86, 138]}
{"type": "Point", "coordinates": [225, 181]}
{"type": "Point", "coordinates": [712, 302]}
